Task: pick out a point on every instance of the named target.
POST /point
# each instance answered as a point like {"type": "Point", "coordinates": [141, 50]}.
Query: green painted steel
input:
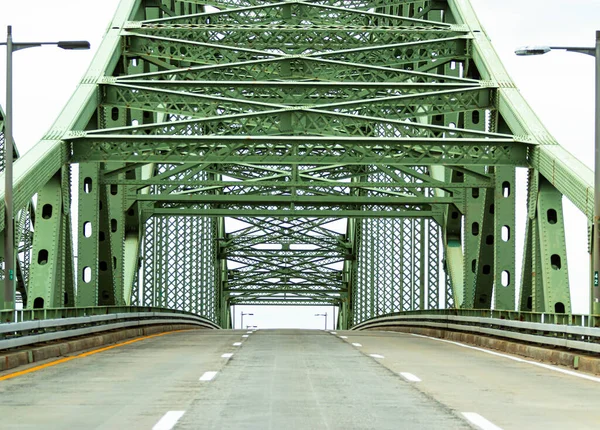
{"type": "Point", "coordinates": [356, 153]}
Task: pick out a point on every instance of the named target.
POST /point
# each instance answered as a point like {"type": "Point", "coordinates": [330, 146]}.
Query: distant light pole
{"type": "Point", "coordinates": [595, 52]}
{"type": "Point", "coordinates": [242, 315]}
{"type": "Point", "coordinates": [9, 257]}
{"type": "Point", "coordinates": [323, 315]}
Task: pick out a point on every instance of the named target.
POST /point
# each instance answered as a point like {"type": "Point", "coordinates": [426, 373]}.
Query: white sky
{"type": "Point", "coordinates": [559, 86]}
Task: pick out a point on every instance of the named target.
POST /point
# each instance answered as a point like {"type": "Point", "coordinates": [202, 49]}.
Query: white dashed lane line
{"type": "Point", "coordinates": [410, 377]}
{"type": "Point", "coordinates": [237, 344]}
{"type": "Point", "coordinates": [480, 422]}
{"type": "Point", "coordinates": [208, 376]}
{"type": "Point", "coordinates": [343, 337]}
{"type": "Point", "coordinates": [168, 420]}
{"type": "Point", "coordinates": [376, 356]}
{"type": "Point", "coordinates": [356, 344]}
{"type": "Point", "coordinates": [227, 355]}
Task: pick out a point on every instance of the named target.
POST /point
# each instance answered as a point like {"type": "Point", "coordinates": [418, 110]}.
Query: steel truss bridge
{"type": "Point", "coordinates": [355, 153]}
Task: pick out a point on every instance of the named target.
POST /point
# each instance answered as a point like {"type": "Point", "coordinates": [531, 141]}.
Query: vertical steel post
{"type": "Point", "coordinates": [595, 296]}
{"type": "Point", "coordinates": [9, 273]}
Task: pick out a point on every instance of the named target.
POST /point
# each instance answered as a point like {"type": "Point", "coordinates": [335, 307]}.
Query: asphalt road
{"type": "Point", "coordinates": [297, 379]}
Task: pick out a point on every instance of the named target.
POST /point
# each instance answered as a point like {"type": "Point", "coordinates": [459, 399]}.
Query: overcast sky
{"type": "Point", "coordinates": [559, 86]}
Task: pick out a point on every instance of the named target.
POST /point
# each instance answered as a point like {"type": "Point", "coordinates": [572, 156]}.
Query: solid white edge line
{"type": "Point", "coordinates": [237, 344]}
{"type": "Point", "coordinates": [208, 376]}
{"type": "Point", "coordinates": [410, 377]}
{"type": "Point", "coordinates": [227, 355]}
{"type": "Point", "coordinates": [520, 360]}
{"type": "Point", "coordinates": [168, 420]}
{"type": "Point", "coordinates": [376, 356]}
{"type": "Point", "coordinates": [480, 422]}
{"type": "Point", "coordinates": [356, 344]}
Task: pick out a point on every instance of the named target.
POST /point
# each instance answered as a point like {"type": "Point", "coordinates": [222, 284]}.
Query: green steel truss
{"type": "Point", "coordinates": [356, 153]}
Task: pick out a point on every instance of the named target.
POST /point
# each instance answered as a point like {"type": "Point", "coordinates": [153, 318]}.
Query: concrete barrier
{"type": "Point", "coordinates": [574, 360]}
{"type": "Point", "coordinates": [10, 360]}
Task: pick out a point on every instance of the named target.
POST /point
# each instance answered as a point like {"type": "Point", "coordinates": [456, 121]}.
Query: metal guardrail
{"type": "Point", "coordinates": [64, 323]}
{"type": "Point", "coordinates": [9, 316]}
{"type": "Point", "coordinates": [557, 330]}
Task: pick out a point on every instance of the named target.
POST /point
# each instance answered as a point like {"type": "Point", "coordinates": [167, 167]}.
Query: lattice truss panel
{"type": "Point", "coordinates": [398, 260]}
{"type": "Point", "coordinates": [178, 269]}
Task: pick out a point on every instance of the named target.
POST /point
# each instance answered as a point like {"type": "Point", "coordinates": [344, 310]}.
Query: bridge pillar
{"type": "Point", "coordinates": [90, 233]}
{"type": "Point", "coordinates": [545, 278]}
{"type": "Point", "coordinates": [50, 284]}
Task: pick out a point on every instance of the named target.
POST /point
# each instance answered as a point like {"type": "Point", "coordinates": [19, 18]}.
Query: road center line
{"type": "Point", "coordinates": [208, 376]}
{"type": "Point", "coordinates": [480, 422]}
{"type": "Point", "coordinates": [356, 344]}
{"type": "Point", "coordinates": [168, 420]}
{"type": "Point", "coordinates": [520, 360]}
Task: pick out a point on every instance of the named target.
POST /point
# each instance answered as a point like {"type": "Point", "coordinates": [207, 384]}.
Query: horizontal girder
{"type": "Point", "coordinates": [299, 150]}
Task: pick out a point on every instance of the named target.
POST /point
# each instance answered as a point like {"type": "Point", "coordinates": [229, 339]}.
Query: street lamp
{"type": "Point", "coordinates": [242, 322]}
{"type": "Point", "coordinates": [9, 257]}
{"type": "Point", "coordinates": [595, 52]}
{"type": "Point", "coordinates": [323, 315]}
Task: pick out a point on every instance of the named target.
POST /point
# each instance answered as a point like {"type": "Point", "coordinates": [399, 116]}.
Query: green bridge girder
{"type": "Point", "coordinates": [358, 153]}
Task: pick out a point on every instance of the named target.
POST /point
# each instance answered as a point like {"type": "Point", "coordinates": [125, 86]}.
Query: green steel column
{"type": "Point", "coordinates": [115, 197]}
{"type": "Point", "coordinates": [552, 249]}
{"type": "Point", "coordinates": [88, 234]}
{"type": "Point", "coordinates": [529, 276]}
{"type": "Point", "coordinates": [474, 219]}
{"type": "Point", "coordinates": [504, 238]}
{"type": "Point", "coordinates": [350, 272]}
{"type": "Point", "coordinates": [106, 268]}
{"type": "Point", "coordinates": [46, 283]}
{"type": "Point", "coordinates": [484, 279]}
{"type": "Point", "coordinates": [67, 264]}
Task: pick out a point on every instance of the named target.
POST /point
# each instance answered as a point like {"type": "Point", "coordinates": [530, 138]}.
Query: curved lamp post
{"type": "Point", "coordinates": [323, 315]}
{"type": "Point", "coordinates": [242, 322]}
{"type": "Point", "coordinates": [9, 252]}
{"type": "Point", "coordinates": [595, 52]}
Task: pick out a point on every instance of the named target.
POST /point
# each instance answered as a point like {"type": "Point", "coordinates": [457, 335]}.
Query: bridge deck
{"type": "Point", "coordinates": [297, 379]}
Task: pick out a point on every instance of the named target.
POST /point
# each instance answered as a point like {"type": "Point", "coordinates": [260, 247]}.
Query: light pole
{"type": "Point", "coordinates": [595, 52]}
{"type": "Point", "coordinates": [323, 315]}
{"type": "Point", "coordinates": [242, 322]}
{"type": "Point", "coordinates": [9, 257]}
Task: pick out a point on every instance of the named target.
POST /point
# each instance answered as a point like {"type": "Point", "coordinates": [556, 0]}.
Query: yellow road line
{"type": "Point", "coordinates": [83, 355]}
